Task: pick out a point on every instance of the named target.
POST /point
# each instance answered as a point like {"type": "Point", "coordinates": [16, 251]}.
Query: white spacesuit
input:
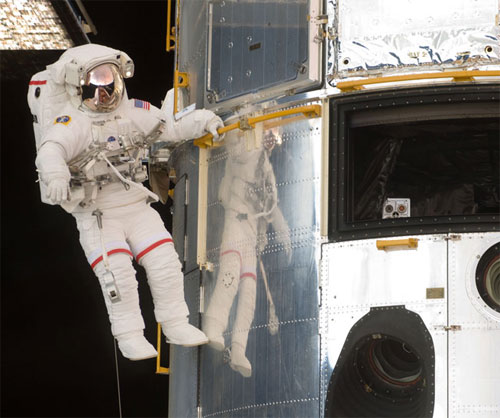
{"type": "Point", "coordinates": [249, 196]}
{"type": "Point", "coordinates": [89, 158]}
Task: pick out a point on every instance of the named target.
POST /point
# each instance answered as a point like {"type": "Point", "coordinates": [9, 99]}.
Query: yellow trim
{"type": "Point", "coordinates": [160, 369]}
{"type": "Point", "coordinates": [171, 35]}
{"type": "Point", "coordinates": [407, 242]}
{"type": "Point", "coordinates": [180, 80]}
{"type": "Point", "coordinates": [310, 111]}
{"type": "Point", "coordinates": [457, 76]}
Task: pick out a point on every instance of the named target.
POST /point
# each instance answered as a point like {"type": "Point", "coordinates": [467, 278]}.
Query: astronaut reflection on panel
{"type": "Point", "coordinates": [249, 196]}
{"type": "Point", "coordinates": [91, 142]}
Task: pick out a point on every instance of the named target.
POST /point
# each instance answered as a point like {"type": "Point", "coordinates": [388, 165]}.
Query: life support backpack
{"type": "Point", "coordinates": [45, 100]}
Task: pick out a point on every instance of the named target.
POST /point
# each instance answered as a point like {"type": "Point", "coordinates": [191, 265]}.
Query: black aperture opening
{"type": "Point", "coordinates": [386, 368]}
{"type": "Point", "coordinates": [414, 161]}
{"type": "Point", "coordinates": [488, 277]}
{"type": "Point", "coordinates": [391, 362]}
{"type": "Point", "coordinates": [444, 167]}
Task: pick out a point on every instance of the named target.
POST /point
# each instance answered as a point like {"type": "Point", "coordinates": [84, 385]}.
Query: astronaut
{"type": "Point", "coordinates": [89, 159]}
{"type": "Point", "coordinates": [249, 196]}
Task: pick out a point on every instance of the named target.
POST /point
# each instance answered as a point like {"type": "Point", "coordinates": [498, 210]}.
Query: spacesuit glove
{"type": "Point", "coordinates": [212, 126]}
{"type": "Point", "coordinates": [58, 190]}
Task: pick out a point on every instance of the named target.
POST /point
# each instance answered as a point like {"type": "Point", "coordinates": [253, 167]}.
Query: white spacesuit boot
{"type": "Point", "coordinates": [134, 346]}
{"type": "Point", "coordinates": [166, 283]}
{"type": "Point", "coordinates": [125, 316]}
{"type": "Point", "coordinates": [244, 318]}
{"type": "Point", "coordinates": [181, 332]}
{"type": "Point", "coordinates": [217, 315]}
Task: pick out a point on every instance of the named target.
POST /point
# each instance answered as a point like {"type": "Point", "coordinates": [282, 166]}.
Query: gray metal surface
{"type": "Point", "coordinates": [285, 374]}
{"type": "Point", "coordinates": [292, 357]}
{"type": "Point", "coordinates": [408, 35]}
{"type": "Point", "coordinates": [192, 44]}
{"type": "Point", "coordinates": [254, 45]}
{"type": "Point", "coordinates": [356, 276]}
{"type": "Point", "coordinates": [183, 361]}
{"type": "Point", "coordinates": [185, 220]}
{"type": "Point", "coordinates": [473, 349]}
{"type": "Point", "coordinates": [259, 49]}
{"type": "Point", "coordinates": [179, 218]}
{"type": "Point", "coordinates": [253, 49]}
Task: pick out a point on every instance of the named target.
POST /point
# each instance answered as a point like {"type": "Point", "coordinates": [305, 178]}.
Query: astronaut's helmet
{"type": "Point", "coordinates": [93, 76]}
{"type": "Point", "coordinates": [103, 89]}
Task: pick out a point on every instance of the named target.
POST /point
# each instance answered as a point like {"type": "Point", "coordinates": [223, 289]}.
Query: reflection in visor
{"type": "Point", "coordinates": [103, 89]}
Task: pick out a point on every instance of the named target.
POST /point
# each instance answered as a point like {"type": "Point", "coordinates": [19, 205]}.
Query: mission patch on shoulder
{"type": "Point", "coordinates": [63, 119]}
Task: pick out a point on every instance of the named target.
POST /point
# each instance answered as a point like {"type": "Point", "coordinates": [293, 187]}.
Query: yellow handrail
{"type": "Point", "coordinates": [456, 75]}
{"type": "Point", "coordinates": [160, 369]}
{"type": "Point", "coordinates": [407, 242]}
{"type": "Point", "coordinates": [311, 111]}
{"type": "Point", "coordinates": [171, 35]}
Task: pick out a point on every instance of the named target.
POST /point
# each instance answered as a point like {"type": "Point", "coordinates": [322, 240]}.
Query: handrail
{"type": "Point", "coordinates": [160, 369]}
{"type": "Point", "coordinates": [206, 141]}
{"type": "Point", "coordinates": [406, 242]}
{"type": "Point", "coordinates": [171, 30]}
{"type": "Point", "coordinates": [458, 76]}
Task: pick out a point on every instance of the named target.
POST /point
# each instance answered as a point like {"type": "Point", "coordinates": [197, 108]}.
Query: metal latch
{"type": "Point", "coordinates": [453, 328]}
{"type": "Point", "coordinates": [110, 285]}
{"type": "Point", "coordinates": [108, 278]}
{"type": "Point", "coordinates": [320, 21]}
{"type": "Point", "coordinates": [245, 124]}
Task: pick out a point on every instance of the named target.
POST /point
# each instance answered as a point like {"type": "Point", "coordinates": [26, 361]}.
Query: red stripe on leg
{"type": "Point", "coordinates": [253, 276]}
{"type": "Point", "coordinates": [117, 250]}
{"type": "Point", "coordinates": [232, 251]}
{"type": "Point", "coordinates": [152, 247]}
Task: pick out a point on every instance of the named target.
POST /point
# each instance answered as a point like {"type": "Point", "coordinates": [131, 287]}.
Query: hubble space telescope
{"type": "Point", "coordinates": [341, 247]}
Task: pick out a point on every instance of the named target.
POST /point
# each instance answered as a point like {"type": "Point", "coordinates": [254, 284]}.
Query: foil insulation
{"type": "Point", "coordinates": [400, 35]}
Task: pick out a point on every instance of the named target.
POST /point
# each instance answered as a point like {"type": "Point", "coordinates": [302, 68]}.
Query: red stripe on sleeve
{"type": "Point", "coordinates": [37, 82]}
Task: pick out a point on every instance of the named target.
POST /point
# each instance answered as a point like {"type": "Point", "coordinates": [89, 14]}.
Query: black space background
{"type": "Point", "coordinates": [57, 352]}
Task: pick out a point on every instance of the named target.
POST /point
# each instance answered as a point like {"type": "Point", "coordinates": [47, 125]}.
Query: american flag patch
{"type": "Point", "coordinates": [142, 104]}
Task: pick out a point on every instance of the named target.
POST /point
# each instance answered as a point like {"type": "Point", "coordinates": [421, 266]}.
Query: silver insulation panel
{"type": "Point", "coordinates": [395, 36]}
{"type": "Point", "coordinates": [284, 353]}
{"type": "Point", "coordinates": [319, 290]}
